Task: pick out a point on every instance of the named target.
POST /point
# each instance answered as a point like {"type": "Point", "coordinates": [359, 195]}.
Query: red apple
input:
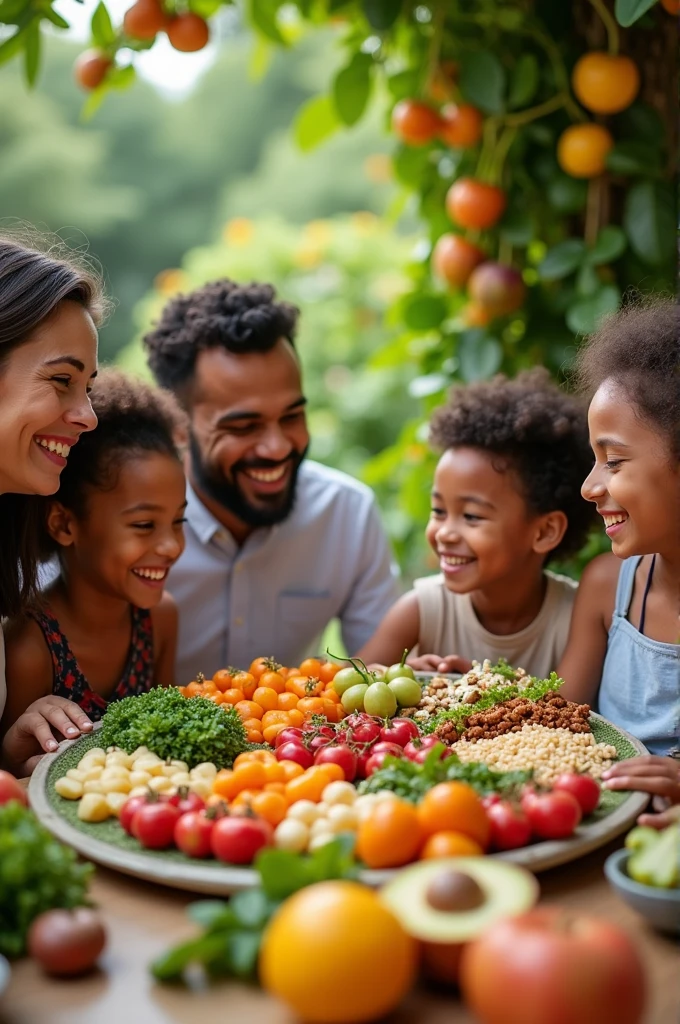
{"type": "Point", "coordinates": [553, 967]}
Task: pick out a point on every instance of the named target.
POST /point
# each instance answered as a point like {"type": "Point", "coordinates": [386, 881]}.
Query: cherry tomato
{"type": "Point", "coordinates": [583, 787]}
{"type": "Point", "coordinates": [377, 757]}
{"type": "Point", "coordinates": [388, 748]}
{"type": "Point", "coordinates": [551, 815]}
{"type": "Point", "coordinates": [11, 790]}
{"type": "Point", "coordinates": [129, 809]}
{"type": "Point", "coordinates": [289, 733]}
{"type": "Point", "coordinates": [400, 730]}
{"type": "Point", "coordinates": [341, 755]}
{"type": "Point", "coordinates": [236, 840]}
{"type": "Point", "coordinates": [319, 730]}
{"type": "Point", "coordinates": [413, 748]}
{"type": "Point", "coordinates": [154, 825]}
{"type": "Point", "coordinates": [66, 942]}
{"type": "Point", "coordinates": [365, 732]}
{"type": "Point", "coordinates": [192, 833]}
{"type": "Point", "coordinates": [362, 763]}
{"type": "Point", "coordinates": [293, 751]}
{"type": "Point", "coordinates": [317, 743]}
{"type": "Point", "coordinates": [510, 828]}
{"type": "Point", "coordinates": [185, 801]}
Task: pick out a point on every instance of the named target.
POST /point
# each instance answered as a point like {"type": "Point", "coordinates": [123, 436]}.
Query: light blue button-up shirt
{"type": "Point", "coordinates": [276, 594]}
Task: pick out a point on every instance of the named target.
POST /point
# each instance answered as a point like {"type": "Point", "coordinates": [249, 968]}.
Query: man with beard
{"type": "Point", "coordinates": [276, 545]}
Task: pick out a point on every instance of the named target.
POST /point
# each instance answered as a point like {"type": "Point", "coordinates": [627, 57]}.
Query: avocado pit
{"type": "Point", "coordinates": [453, 892]}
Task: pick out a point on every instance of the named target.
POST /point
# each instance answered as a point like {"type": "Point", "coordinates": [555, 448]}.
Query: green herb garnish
{"type": "Point", "coordinates": [190, 729]}
{"type": "Point", "coordinates": [37, 873]}
{"type": "Point", "coordinates": [536, 689]}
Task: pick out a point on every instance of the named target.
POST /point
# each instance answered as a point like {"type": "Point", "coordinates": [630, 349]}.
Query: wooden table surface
{"type": "Point", "coordinates": [144, 919]}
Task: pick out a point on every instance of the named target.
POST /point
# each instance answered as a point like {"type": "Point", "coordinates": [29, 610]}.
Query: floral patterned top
{"type": "Point", "coordinates": [68, 680]}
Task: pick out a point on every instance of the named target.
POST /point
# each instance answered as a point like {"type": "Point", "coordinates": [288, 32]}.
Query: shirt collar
{"type": "Point", "coordinates": [208, 529]}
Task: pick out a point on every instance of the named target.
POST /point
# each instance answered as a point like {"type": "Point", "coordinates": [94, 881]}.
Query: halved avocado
{"type": "Point", "coordinates": [448, 903]}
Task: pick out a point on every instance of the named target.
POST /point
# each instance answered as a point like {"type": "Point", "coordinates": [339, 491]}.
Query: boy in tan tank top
{"type": "Point", "coordinates": [506, 500]}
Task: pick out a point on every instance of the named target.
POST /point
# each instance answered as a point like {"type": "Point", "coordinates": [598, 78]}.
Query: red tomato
{"type": "Point", "coordinates": [294, 751]}
{"type": "Point", "coordinates": [377, 757]}
{"type": "Point", "coordinates": [129, 809]}
{"type": "Point", "coordinates": [290, 734]}
{"type": "Point", "coordinates": [11, 790]}
{"type": "Point", "coordinates": [237, 840]}
{"type": "Point", "coordinates": [185, 801]}
{"type": "Point", "coordinates": [154, 825]}
{"type": "Point", "coordinates": [510, 828]}
{"type": "Point", "coordinates": [551, 815]}
{"type": "Point", "coordinates": [341, 755]}
{"type": "Point", "coordinates": [66, 942]}
{"type": "Point", "coordinates": [362, 763]}
{"type": "Point", "coordinates": [400, 730]}
{"type": "Point", "coordinates": [553, 967]}
{"type": "Point", "coordinates": [192, 834]}
{"type": "Point", "coordinates": [583, 787]}
{"type": "Point", "coordinates": [364, 732]}
{"type": "Point", "coordinates": [319, 730]}
{"type": "Point", "coordinates": [413, 748]}
{"type": "Point", "coordinates": [317, 743]}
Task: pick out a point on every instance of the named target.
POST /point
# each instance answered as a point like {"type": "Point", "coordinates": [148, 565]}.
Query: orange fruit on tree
{"type": "Point", "coordinates": [391, 837]}
{"type": "Point", "coordinates": [450, 844]}
{"type": "Point", "coordinates": [356, 967]}
{"type": "Point", "coordinates": [605, 83]}
{"type": "Point", "coordinates": [582, 150]}
{"type": "Point", "coordinates": [144, 20]}
{"type": "Point", "coordinates": [90, 68]}
{"type": "Point", "coordinates": [475, 204]}
{"type": "Point", "coordinates": [461, 125]}
{"type": "Point", "coordinates": [415, 123]}
{"type": "Point", "coordinates": [454, 259]}
{"type": "Point", "coordinates": [497, 288]}
{"type": "Point", "coordinates": [672, 6]}
{"type": "Point", "coordinates": [455, 807]}
{"type": "Point", "coordinates": [188, 32]}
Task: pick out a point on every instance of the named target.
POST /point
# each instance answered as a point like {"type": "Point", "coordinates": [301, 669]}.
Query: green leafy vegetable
{"type": "Point", "coordinates": [411, 781]}
{"type": "Point", "coordinates": [233, 931]}
{"type": "Point", "coordinates": [37, 873]}
{"type": "Point", "coordinates": [191, 729]}
{"type": "Point", "coordinates": [494, 695]}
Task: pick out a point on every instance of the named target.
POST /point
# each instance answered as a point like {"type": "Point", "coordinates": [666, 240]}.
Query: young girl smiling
{"type": "Point", "coordinates": [104, 629]}
{"type": "Point", "coordinates": [505, 501]}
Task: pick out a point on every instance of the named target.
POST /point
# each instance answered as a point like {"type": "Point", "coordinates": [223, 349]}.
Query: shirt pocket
{"type": "Point", "coordinates": [313, 609]}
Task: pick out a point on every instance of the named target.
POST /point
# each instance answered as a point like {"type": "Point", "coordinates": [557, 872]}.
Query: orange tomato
{"type": "Point", "coordinates": [455, 807]}
{"type": "Point", "coordinates": [264, 756]}
{"type": "Point", "coordinates": [474, 204]}
{"type": "Point", "coordinates": [266, 698]}
{"type": "Point", "coordinates": [296, 717]}
{"type": "Point", "coordinates": [461, 125]}
{"type": "Point", "coordinates": [252, 723]}
{"type": "Point", "coordinates": [273, 681]}
{"type": "Point", "coordinates": [450, 844]}
{"type": "Point", "coordinates": [333, 772]}
{"type": "Point", "coordinates": [194, 689]}
{"type": "Point", "coordinates": [275, 717]}
{"type": "Point", "coordinates": [270, 732]}
{"type": "Point", "coordinates": [310, 667]}
{"type": "Point", "coordinates": [297, 684]}
{"type": "Point", "coordinates": [233, 696]}
{"type": "Point", "coordinates": [262, 665]}
{"type": "Point", "coordinates": [250, 775]}
{"type": "Point", "coordinates": [274, 771]}
{"type": "Point", "coordinates": [249, 709]}
{"type": "Point", "coordinates": [330, 694]}
{"type": "Point", "coordinates": [224, 785]}
{"type": "Point", "coordinates": [223, 679]}
{"type": "Point", "coordinates": [254, 736]}
{"type": "Point", "coordinates": [310, 706]}
{"type": "Point", "coordinates": [308, 786]}
{"type": "Point", "coordinates": [244, 681]}
{"type": "Point", "coordinates": [216, 698]}
{"type": "Point", "coordinates": [244, 798]}
{"type": "Point", "coordinates": [605, 83]}
{"type": "Point", "coordinates": [291, 770]}
{"type": "Point", "coordinates": [391, 837]}
{"type": "Point", "coordinates": [270, 806]}
{"type": "Point", "coordinates": [328, 671]}
{"type": "Point", "coordinates": [209, 686]}
{"type": "Point", "coordinates": [582, 150]}
{"type": "Point", "coordinates": [287, 701]}
{"type": "Point", "coordinates": [276, 787]}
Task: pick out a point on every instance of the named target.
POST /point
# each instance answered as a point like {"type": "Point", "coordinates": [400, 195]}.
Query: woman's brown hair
{"type": "Point", "coordinates": [34, 279]}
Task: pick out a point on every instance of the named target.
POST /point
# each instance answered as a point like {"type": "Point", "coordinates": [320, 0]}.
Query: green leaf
{"type": "Point", "coordinates": [634, 157]}
{"type": "Point", "coordinates": [103, 34]}
{"type": "Point", "coordinates": [628, 11]}
{"type": "Point", "coordinates": [523, 81]}
{"type": "Point", "coordinates": [211, 914]}
{"type": "Point", "coordinates": [121, 78]}
{"type": "Point", "coordinates": [316, 121]}
{"type": "Point", "coordinates": [205, 8]}
{"type": "Point", "coordinates": [404, 84]}
{"type": "Point", "coordinates": [32, 52]}
{"type": "Point", "coordinates": [517, 228]}
{"type": "Point", "coordinates": [480, 355]}
{"type": "Point", "coordinates": [649, 220]}
{"type": "Point", "coordinates": [423, 312]}
{"type": "Point", "coordinates": [333, 860]}
{"type": "Point", "coordinates": [428, 384]}
{"type": "Point", "coordinates": [11, 11]}
{"type": "Point", "coordinates": [9, 48]}
{"type": "Point", "coordinates": [567, 195]}
{"type": "Point", "coordinates": [262, 15]}
{"type": "Point", "coordinates": [243, 948]}
{"type": "Point", "coordinates": [56, 19]}
{"type": "Point", "coordinates": [482, 80]}
{"type": "Point", "coordinates": [410, 164]}
{"type": "Point", "coordinates": [282, 873]}
{"type": "Point", "coordinates": [562, 260]}
{"type": "Point", "coordinates": [382, 14]}
{"type": "Point", "coordinates": [611, 243]}
{"type": "Point", "coordinates": [252, 907]}
{"type": "Point", "coordinates": [587, 281]}
{"type": "Point", "coordinates": [584, 316]}
{"type": "Point", "coordinates": [352, 88]}
{"type": "Point", "coordinates": [171, 965]}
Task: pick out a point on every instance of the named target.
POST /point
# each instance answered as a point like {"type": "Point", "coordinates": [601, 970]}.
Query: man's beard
{"type": "Point", "coordinates": [271, 509]}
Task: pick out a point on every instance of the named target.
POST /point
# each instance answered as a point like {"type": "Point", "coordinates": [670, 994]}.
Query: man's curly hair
{"type": "Point", "coordinates": [537, 431]}
{"type": "Point", "coordinates": [239, 318]}
{"type": "Point", "coordinates": [638, 349]}
{"type": "Point", "coordinates": [134, 419]}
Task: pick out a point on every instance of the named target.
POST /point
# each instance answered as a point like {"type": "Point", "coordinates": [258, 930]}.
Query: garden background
{"type": "Point", "coordinates": [316, 144]}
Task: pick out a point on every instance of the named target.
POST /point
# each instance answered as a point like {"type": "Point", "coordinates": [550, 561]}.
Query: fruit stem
{"type": "Point", "coordinates": [592, 224]}
{"type": "Point", "coordinates": [435, 46]}
{"type": "Point", "coordinates": [533, 113]}
{"type": "Point", "coordinates": [610, 25]}
{"type": "Point", "coordinates": [504, 143]}
{"type": "Point", "coordinates": [363, 671]}
{"type": "Point", "coordinates": [403, 658]}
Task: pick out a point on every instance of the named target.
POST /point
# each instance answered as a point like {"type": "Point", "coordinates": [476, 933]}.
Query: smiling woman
{"type": "Point", "coordinates": [49, 307]}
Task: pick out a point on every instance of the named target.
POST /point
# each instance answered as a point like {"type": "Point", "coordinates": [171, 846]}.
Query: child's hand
{"type": "Point", "coordinates": [435, 663]}
{"type": "Point", "coordinates": [659, 776]}
{"type": "Point", "coordinates": [35, 730]}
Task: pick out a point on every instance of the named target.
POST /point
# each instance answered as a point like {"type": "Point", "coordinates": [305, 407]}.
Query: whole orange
{"type": "Point", "coordinates": [188, 33]}
{"type": "Point", "coordinates": [605, 83]}
{"type": "Point", "coordinates": [392, 836]}
{"type": "Point", "coordinates": [334, 953]}
{"type": "Point", "coordinates": [474, 204]}
{"type": "Point", "coordinates": [455, 807]}
{"type": "Point", "coordinates": [582, 150]}
{"type": "Point", "coordinates": [90, 71]}
{"type": "Point", "coordinates": [144, 20]}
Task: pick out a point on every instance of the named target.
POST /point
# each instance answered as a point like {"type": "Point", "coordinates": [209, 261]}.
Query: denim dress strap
{"type": "Point", "coordinates": [625, 585]}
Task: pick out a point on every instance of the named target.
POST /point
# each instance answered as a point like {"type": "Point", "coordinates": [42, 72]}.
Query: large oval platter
{"type": "Point", "coordinates": [107, 844]}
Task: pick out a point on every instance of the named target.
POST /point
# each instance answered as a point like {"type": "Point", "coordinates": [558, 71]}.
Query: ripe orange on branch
{"type": "Point", "coordinates": [583, 148]}
{"type": "Point", "coordinates": [605, 83]}
{"type": "Point", "coordinates": [188, 33]}
{"type": "Point", "coordinates": [474, 204]}
{"type": "Point", "coordinates": [461, 126]}
{"type": "Point", "coordinates": [90, 68]}
{"type": "Point", "coordinates": [415, 123]}
{"type": "Point", "coordinates": [454, 259]}
{"type": "Point", "coordinates": [145, 19]}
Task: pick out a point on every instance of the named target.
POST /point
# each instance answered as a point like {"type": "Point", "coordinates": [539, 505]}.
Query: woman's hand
{"type": "Point", "coordinates": [659, 776]}
{"type": "Point", "coordinates": [34, 732]}
{"type": "Point", "coordinates": [435, 663]}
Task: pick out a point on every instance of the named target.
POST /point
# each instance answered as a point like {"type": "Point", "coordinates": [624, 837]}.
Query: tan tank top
{"type": "Point", "coordinates": [448, 625]}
